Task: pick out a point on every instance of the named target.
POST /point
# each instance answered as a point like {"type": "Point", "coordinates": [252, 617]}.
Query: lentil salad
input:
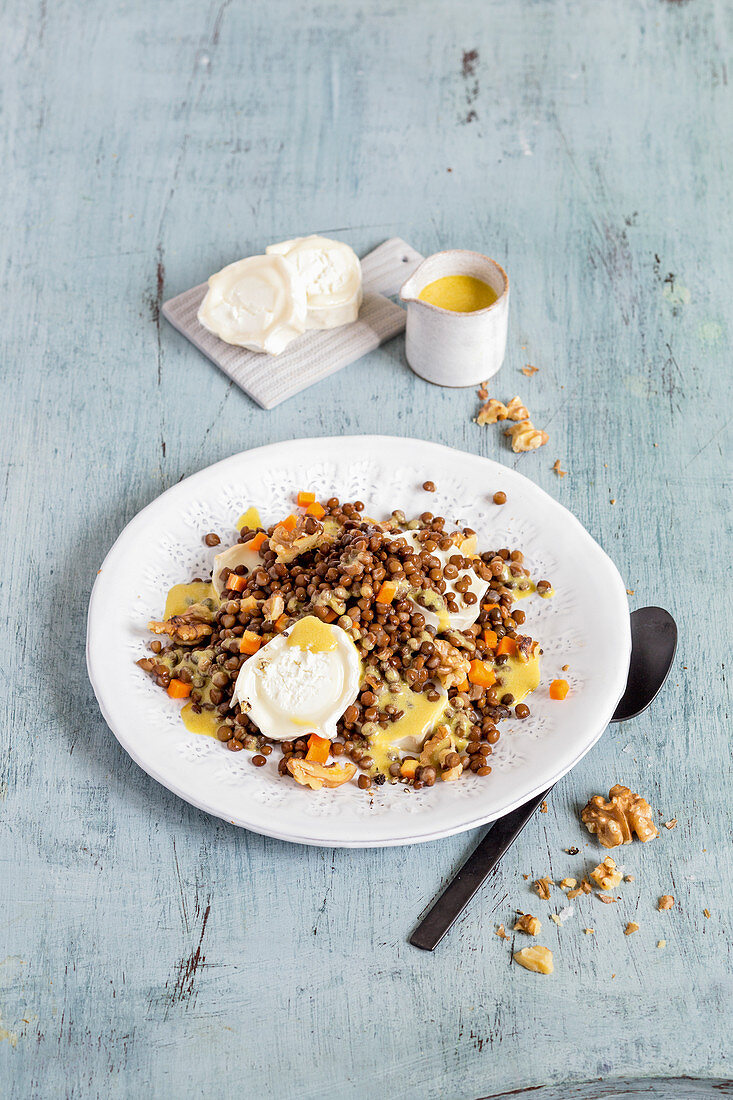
{"type": "Point", "coordinates": [397, 588]}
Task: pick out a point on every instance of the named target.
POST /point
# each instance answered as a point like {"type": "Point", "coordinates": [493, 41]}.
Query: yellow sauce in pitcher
{"type": "Point", "coordinates": [459, 293]}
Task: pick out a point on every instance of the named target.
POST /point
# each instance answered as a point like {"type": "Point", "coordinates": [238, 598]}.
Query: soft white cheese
{"type": "Point", "coordinates": [257, 303]}
{"type": "Point", "coordinates": [331, 273]}
{"type": "Point", "coordinates": [467, 614]}
{"type": "Point", "coordinates": [239, 554]}
{"type": "Point", "coordinates": [289, 691]}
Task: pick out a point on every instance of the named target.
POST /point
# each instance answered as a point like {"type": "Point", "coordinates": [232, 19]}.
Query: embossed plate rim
{"type": "Point", "coordinates": [114, 631]}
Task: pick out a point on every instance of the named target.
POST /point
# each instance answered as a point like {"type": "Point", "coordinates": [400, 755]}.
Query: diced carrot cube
{"type": "Point", "coordinates": [319, 749]}
{"type": "Point", "coordinates": [304, 499]}
{"type": "Point", "coordinates": [490, 606]}
{"type": "Point", "coordinates": [316, 510]}
{"type": "Point", "coordinates": [257, 541]}
{"type": "Point", "coordinates": [479, 673]}
{"type": "Point", "coordinates": [289, 523]}
{"type": "Point", "coordinates": [387, 592]}
{"type": "Point", "coordinates": [463, 686]}
{"type": "Point", "coordinates": [491, 639]}
{"type": "Point", "coordinates": [559, 689]}
{"type": "Point", "coordinates": [235, 582]}
{"type": "Point", "coordinates": [408, 767]}
{"type": "Point", "coordinates": [281, 623]}
{"type": "Point", "coordinates": [331, 616]}
{"type": "Point", "coordinates": [177, 689]}
{"type": "Point", "coordinates": [249, 642]}
{"type": "Point", "coordinates": [506, 646]}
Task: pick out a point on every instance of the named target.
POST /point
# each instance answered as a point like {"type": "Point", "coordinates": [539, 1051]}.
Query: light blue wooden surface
{"type": "Point", "coordinates": [146, 949]}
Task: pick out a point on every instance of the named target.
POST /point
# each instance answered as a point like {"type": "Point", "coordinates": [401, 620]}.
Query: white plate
{"type": "Point", "coordinates": [585, 626]}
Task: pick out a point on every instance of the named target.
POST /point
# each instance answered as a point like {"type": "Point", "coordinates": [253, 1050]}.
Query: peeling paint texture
{"type": "Point", "coordinates": [152, 951]}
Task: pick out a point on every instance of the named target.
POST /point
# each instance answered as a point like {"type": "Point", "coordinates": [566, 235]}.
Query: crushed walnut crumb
{"type": "Point", "coordinates": [661, 943]}
{"type": "Point", "coordinates": [482, 391]}
{"type": "Point", "coordinates": [542, 886]}
{"type": "Point", "coordinates": [630, 928]}
{"type": "Point", "coordinates": [543, 807]}
{"type": "Point", "coordinates": [501, 932]}
{"type": "Point", "coordinates": [589, 931]}
{"type": "Point", "coordinates": [584, 888]}
{"type": "Point", "coordinates": [629, 591]}
{"type": "Point", "coordinates": [529, 370]}
{"type": "Point", "coordinates": [671, 823]}
{"type": "Point", "coordinates": [665, 902]}
{"type": "Point", "coordinates": [606, 874]}
{"type": "Point", "coordinates": [515, 410]}
{"type": "Point", "coordinates": [706, 913]}
{"type": "Point", "coordinates": [537, 959]}
{"type": "Point", "coordinates": [607, 899]}
{"type": "Point", "coordinates": [492, 412]}
{"type": "Point", "coordinates": [527, 923]}
{"type": "Point", "coordinates": [568, 883]}
{"type": "Point", "coordinates": [571, 851]}
{"type": "Point", "coordinates": [525, 437]}
{"type": "Point", "coordinates": [556, 469]}
{"type": "Point", "coordinates": [629, 878]}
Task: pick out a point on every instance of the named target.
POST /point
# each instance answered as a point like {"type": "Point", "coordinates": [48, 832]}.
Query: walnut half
{"type": "Point", "coordinates": [192, 626]}
{"type": "Point", "coordinates": [316, 776]}
{"type": "Point", "coordinates": [614, 822]}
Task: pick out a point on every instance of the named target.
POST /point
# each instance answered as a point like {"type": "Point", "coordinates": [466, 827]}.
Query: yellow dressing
{"type": "Point", "coordinates": [181, 596]}
{"type": "Point", "coordinates": [522, 593]}
{"type": "Point", "coordinates": [420, 716]}
{"type": "Point", "coordinates": [312, 634]}
{"type": "Point", "coordinates": [207, 722]}
{"type": "Point", "coordinates": [251, 519]}
{"type": "Point", "coordinates": [435, 603]}
{"type": "Point", "coordinates": [459, 293]}
{"type": "Point", "coordinates": [519, 677]}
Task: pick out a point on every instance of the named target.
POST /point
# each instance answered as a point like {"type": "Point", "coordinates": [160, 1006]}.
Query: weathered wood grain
{"type": "Point", "coordinates": [146, 949]}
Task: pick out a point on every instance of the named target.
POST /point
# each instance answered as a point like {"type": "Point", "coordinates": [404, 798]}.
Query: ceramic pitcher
{"type": "Point", "coordinates": [450, 348]}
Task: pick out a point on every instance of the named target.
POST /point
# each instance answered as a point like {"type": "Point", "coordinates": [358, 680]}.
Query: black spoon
{"type": "Point", "coordinates": [653, 645]}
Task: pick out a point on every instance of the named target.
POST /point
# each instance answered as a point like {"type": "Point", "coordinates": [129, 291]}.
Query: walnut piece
{"type": "Point", "coordinates": [491, 412]}
{"type": "Point", "coordinates": [288, 545]}
{"type": "Point", "coordinates": [501, 932]}
{"type": "Point", "coordinates": [453, 667]}
{"type": "Point", "coordinates": [542, 886]}
{"type": "Point", "coordinates": [525, 437]}
{"type": "Point", "coordinates": [537, 959]}
{"type": "Point", "coordinates": [665, 902]}
{"type": "Point", "coordinates": [527, 923]}
{"type": "Point", "coordinates": [515, 410]}
{"type": "Point", "coordinates": [584, 888]}
{"type": "Point", "coordinates": [273, 607]}
{"type": "Point", "coordinates": [630, 928]}
{"type": "Point", "coordinates": [614, 822]}
{"type": "Point", "coordinates": [316, 776]}
{"type": "Point", "coordinates": [606, 875]}
{"type": "Point", "coordinates": [568, 883]}
{"type": "Point", "coordinates": [194, 624]}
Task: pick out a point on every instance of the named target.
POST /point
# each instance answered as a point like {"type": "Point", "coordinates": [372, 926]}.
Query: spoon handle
{"type": "Point", "coordinates": [474, 872]}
